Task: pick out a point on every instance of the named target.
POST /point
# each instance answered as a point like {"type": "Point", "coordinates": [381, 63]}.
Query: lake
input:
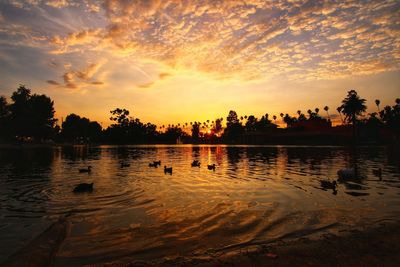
{"type": "Point", "coordinates": [255, 196]}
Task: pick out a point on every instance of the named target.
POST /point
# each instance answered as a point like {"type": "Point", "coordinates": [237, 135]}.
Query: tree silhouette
{"type": "Point", "coordinates": [217, 129]}
{"type": "Point", "coordinates": [120, 116]}
{"type": "Point", "coordinates": [353, 106]}
{"type": "Point", "coordinates": [4, 118]}
{"type": "Point", "coordinates": [251, 124]}
{"type": "Point", "coordinates": [76, 128]}
{"type": "Point", "coordinates": [377, 102]}
{"type": "Point", "coordinates": [391, 117]}
{"type": "Point", "coordinates": [195, 131]}
{"type": "Point", "coordinates": [31, 115]}
{"type": "Point", "coordinates": [233, 126]}
{"type": "Point", "coordinates": [339, 110]}
{"type": "Point", "coordinates": [326, 108]}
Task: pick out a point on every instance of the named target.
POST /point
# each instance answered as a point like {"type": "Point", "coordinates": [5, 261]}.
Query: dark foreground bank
{"type": "Point", "coordinates": [377, 246]}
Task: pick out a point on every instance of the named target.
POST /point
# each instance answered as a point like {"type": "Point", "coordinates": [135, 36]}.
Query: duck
{"type": "Point", "coordinates": [326, 184]}
{"type": "Point", "coordinates": [83, 187]}
{"type": "Point", "coordinates": [157, 163]}
{"type": "Point", "coordinates": [153, 165]}
{"type": "Point", "coordinates": [346, 173]}
{"type": "Point", "coordinates": [211, 167]}
{"type": "Point", "coordinates": [88, 170]}
{"type": "Point", "coordinates": [196, 163]}
{"type": "Point", "coordinates": [377, 172]}
{"type": "Point", "coordinates": [167, 170]}
{"type": "Point", "coordinates": [123, 165]}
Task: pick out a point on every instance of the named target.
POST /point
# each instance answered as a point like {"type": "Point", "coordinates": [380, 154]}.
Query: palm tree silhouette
{"type": "Point", "coordinates": [339, 110]}
{"type": "Point", "coordinates": [309, 113]}
{"type": "Point", "coordinates": [377, 102]}
{"type": "Point", "coordinates": [274, 117]}
{"type": "Point", "coordinates": [326, 108]}
{"type": "Point", "coordinates": [353, 106]}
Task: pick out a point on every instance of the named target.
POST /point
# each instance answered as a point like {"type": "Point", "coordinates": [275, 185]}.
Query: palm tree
{"type": "Point", "coordinates": [353, 106]}
{"type": "Point", "coordinates": [326, 108]}
{"type": "Point", "coordinates": [274, 117]}
{"type": "Point", "coordinates": [299, 112]}
{"type": "Point", "coordinates": [309, 113]}
{"type": "Point", "coordinates": [316, 110]}
{"type": "Point", "coordinates": [377, 102]}
{"type": "Point", "coordinates": [339, 109]}
{"type": "Point", "coordinates": [281, 115]}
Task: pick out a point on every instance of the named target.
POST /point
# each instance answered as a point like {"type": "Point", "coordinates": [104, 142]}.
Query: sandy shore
{"type": "Point", "coordinates": [378, 246]}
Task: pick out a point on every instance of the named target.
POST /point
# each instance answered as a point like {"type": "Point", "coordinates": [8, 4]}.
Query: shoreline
{"type": "Point", "coordinates": [50, 145]}
{"type": "Point", "coordinates": [373, 246]}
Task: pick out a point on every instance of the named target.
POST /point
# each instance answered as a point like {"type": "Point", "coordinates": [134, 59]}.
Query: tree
{"type": "Point", "coordinates": [195, 131]}
{"type": "Point", "coordinates": [32, 115]}
{"type": "Point", "coordinates": [391, 117]}
{"type": "Point", "coordinates": [42, 116]}
{"type": "Point", "coordinates": [120, 116]}
{"type": "Point", "coordinates": [4, 117]}
{"type": "Point", "coordinates": [377, 102]}
{"type": "Point", "coordinates": [232, 118]}
{"type": "Point", "coordinates": [339, 110]}
{"type": "Point", "coordinates": [233, 126]}
{"type": "Point", "coordinates": [326, 108]}
{"type": "Point", "coordinates": [251, 123]}
{"type": "Point", "coordinates": [353, 106]}
{"type": "Point", "coordinates": [218, 126]}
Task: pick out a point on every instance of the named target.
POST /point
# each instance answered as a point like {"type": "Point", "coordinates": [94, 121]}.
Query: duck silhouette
{"type": "Point", "coordinates": [196, 163]}
{"type": "Point", "coordinates": [88, 169]}
{"type": "Point", "coordinates": [211, 167]}
{"type": "Point", "coordinates": [153, 165]}
{"type": "Point", "coordinates": [167, 170]}
{"type": "Point", "coordinates": [157, 163]}
{"type": "Point", "coordinates": [83, 187]}
{"type": "Point", "coordinates": [328, 184]}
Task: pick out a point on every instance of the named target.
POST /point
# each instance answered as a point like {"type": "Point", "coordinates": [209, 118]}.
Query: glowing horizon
{"type": "Point", "coordinates": [171, 62]}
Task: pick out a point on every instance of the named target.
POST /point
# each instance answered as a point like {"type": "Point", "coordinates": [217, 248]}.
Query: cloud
{"type": "Point", "coordinates": [146, 85]}
{"type": "Point", "coordinates": [225, 39]}
{"type": "Point", "coordinates": [164, 75]}
{"type": "Point", "coordinates": [52, 82]}
{"type": "Point", "coordinates": [75, 78]}
{"type": "Point", "coordinates": [58, 3]}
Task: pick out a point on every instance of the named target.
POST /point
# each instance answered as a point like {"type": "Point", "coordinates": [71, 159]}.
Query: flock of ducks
{"type": "Point", "coordinates": [344, 174]}
{"type": "Point", "coordinates": [86, 187]}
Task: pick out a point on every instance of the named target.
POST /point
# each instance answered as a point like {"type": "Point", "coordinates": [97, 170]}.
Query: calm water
{"type": "Point", "coordinates": [256, 195]}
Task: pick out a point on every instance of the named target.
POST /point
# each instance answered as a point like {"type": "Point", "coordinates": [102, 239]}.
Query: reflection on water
{"type": "Point", "coordinates": [257, 194]}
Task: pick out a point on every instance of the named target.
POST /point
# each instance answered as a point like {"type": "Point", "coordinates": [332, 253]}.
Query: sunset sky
{"type": "Point", "coordinates": [179, 61]}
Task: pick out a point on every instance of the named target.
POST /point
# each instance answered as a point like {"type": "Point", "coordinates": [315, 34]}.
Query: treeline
{"type": "Point", "coordinates": [30, 117]}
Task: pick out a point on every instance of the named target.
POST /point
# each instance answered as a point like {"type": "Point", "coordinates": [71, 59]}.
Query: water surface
{"type": "Point", "coordinates": [256, 195]}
